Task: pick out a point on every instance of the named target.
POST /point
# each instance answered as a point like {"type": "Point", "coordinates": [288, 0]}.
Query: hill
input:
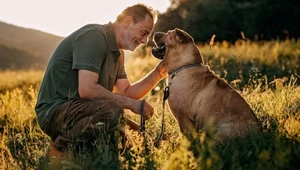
{"type": "Point", "coordinates": [22, 48]}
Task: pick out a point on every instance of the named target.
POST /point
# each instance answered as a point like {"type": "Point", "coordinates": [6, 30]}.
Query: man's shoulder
{"type": "Point", "coordinates": [92, 28]}
{"type": "Point", "coordinates": [91, 32]}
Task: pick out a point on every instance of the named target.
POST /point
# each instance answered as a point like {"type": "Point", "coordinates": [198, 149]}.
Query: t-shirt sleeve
{"type": "Point", "coordinates": [89, 51]}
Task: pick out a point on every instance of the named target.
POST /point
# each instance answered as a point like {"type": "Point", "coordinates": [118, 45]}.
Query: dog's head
{"type": "Point", "coordinates": [175, 44]}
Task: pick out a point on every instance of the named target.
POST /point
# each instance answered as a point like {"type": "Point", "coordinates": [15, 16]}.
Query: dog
{"type": "Point", "coordinates": [199, 99]}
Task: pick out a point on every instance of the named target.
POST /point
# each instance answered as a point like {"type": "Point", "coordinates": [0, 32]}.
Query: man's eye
{"type": "Point", "coordinates": [144, 33]}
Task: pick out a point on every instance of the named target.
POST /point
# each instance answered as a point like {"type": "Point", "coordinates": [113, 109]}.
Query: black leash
{"type": "Point", "coordinates": [162, 129]}
{"type": "Point", "coordinates": [142, 121]}
{"type": "Point", "coordinates": [142, 129]}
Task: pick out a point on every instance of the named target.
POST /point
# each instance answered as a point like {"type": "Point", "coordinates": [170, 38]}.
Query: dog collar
{"type": "Point", "coordinates": [183, 67]}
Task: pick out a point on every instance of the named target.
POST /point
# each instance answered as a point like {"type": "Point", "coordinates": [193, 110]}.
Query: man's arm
{"type": "Point", "coordinates": [143, 86]}
{"type": "Point", "coordinates": [89, 88]}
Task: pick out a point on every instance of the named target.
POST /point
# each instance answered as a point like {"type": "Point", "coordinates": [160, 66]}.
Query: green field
{"type": "Point", "coordinates": [266, 74]}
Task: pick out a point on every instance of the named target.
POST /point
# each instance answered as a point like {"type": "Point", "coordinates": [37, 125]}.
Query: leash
{"type": "Point", "coordinates": [162, 129]}
{"type": "Point", "coordinates": [142, 129]}
{"type": "Point", "coordinates": [142, 120]}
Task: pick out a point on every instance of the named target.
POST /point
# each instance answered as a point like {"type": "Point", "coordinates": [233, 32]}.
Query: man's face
{"type": "Point", "coordinates": [137, 33]}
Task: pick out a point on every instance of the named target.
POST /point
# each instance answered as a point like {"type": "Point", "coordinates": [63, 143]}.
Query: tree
{"type": "Point", "coordinates": [263, 19]}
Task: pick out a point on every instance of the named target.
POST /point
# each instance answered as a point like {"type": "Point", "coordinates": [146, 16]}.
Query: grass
{"type": "Point", "coordinates": [273, 95]}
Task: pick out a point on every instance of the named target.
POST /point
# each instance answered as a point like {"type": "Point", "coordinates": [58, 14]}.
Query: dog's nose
{"type": "Point", "coordinates": [158, 35]}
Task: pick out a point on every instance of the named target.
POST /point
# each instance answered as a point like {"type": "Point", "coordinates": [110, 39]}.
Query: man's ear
{"type": "Point", "coordinates": [127, 21]}
{"type": "Point", "coordinates": [182, 36]}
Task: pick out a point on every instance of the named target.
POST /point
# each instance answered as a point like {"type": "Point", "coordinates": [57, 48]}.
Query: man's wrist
{"type": "Point", "coordinates": [160, 76]}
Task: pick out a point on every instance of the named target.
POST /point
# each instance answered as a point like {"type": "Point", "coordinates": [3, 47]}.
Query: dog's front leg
{"type": "Point", "coordinates": [188, 129]}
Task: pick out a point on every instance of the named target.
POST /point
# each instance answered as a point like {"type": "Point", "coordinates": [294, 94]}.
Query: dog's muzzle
{"type": "Point", "coordinates": [159, 48]}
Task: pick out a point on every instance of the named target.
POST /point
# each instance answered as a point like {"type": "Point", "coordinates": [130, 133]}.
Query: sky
{"type": "Point", "coordinates": [62, 17]}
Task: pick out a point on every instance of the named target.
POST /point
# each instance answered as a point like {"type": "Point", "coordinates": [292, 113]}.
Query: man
{"type": "Point", "coordinates": [85, 86]}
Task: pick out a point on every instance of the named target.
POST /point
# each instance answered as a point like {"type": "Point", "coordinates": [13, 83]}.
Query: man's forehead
{"type": "Point", "coordinates": [147, 24]}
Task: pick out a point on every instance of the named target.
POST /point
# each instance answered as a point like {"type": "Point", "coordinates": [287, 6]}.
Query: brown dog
{"type": "Point", "coordinates": [199, 99]}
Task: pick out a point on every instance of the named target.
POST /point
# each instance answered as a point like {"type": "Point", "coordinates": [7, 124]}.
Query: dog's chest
{"type": "Point", "coordinates": [179, 94]}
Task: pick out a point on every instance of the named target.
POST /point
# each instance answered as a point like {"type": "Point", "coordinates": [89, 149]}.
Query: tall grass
{"type": "Point", "coordinates": [244, 59]}
{"type": "Point", "coordinates": [10, 79]}
{"type": "Point", "coordinates": [274, 99]}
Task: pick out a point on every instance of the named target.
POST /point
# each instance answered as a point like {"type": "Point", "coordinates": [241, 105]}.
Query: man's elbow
{"type": "Point", "coordinates": [85, 93]}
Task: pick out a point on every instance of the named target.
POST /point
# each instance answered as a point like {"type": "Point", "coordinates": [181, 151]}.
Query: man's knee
{"type": "Point", "coordinates": [116, 110]}
{"type": "Point", "coordinates": [111, 115]}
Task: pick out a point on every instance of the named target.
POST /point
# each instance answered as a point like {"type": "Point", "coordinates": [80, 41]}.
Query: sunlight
{"type": "Point", "coordinates": [63, 17]}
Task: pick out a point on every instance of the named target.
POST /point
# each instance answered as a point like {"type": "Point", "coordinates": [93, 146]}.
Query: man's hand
{"type": "Point", "coordinates": [160, 67]}
{"type": "Point", "coordinates": [148, 110]}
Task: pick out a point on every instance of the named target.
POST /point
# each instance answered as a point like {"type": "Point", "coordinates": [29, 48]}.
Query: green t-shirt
{"type": "Point", "coordinates": [92, 47]}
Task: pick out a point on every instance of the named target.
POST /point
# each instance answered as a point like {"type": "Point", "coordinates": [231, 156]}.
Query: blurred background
{"type": "Point", "coordinates": [257, 19]}
{"type": "Point", "coordinates": [239, 39]}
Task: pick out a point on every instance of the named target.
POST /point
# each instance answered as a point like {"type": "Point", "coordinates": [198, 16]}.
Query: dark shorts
{"type": "Point", "coordinates": [84, 120]}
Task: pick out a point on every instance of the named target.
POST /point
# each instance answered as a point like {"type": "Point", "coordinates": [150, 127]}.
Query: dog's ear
{"type": "Point", "coordinates": [182, 36]}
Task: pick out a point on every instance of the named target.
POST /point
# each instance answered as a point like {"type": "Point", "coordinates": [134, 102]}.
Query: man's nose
{"type": "Point", "coordinates": [144, 40]}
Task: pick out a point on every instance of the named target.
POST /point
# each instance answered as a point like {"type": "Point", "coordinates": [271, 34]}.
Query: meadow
{"type": "Point", "coordinates": [266, 74]}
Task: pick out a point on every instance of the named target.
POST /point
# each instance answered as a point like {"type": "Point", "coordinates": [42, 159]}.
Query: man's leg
{"type": "Point", "coordinates": [82, 121]}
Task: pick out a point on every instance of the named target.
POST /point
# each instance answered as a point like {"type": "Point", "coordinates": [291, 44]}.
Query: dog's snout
{"type": "Point", "coordinates": [158, 33]}
{"type": "Point", "coordinates": [159, 49]}
{"type": "Point", "coordinates": [158, 36]}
